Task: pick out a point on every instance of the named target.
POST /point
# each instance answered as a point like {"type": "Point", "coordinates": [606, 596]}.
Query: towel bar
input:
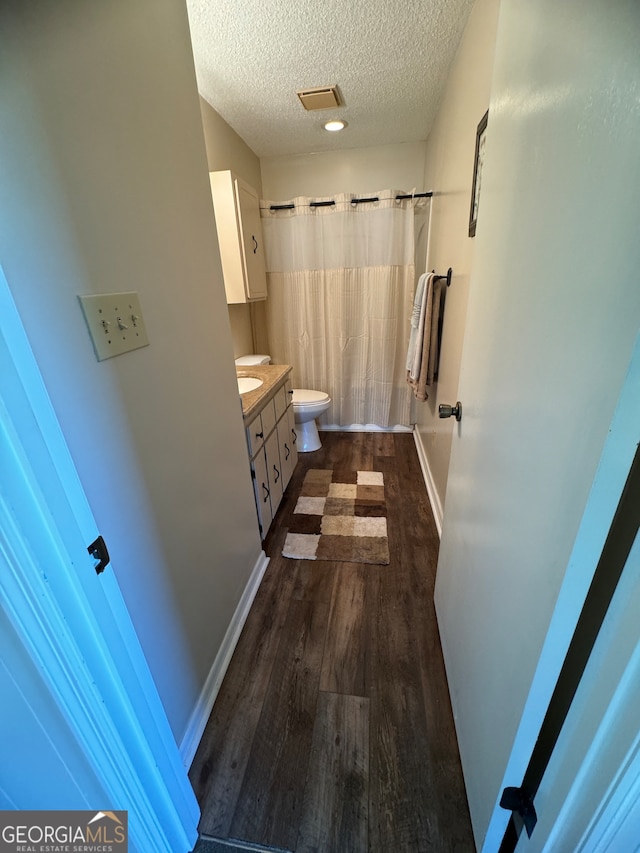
{"type": "Point", "coordinates": [447, 276]}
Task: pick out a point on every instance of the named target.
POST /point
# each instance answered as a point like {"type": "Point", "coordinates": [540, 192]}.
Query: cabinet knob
{"type": "Point", "coordinates": [288, 449]}
{"type": "Point", "coordinates": [260, 435]}
{"type": "Point", "coordinates": [295, 436]}
{"type": "Point", "coordinates": [277, 474]}
{"type": "Point", "coordinates": [255, 246]}
{"type": "Point", "coordinates": [267, 493]}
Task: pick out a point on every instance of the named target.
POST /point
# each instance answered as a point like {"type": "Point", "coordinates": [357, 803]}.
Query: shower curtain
{"type": "Point", "coordinates": [341, 279]}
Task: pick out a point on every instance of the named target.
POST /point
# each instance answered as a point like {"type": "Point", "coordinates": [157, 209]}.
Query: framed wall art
{"type": "Point", "coordinates": [481, 136]}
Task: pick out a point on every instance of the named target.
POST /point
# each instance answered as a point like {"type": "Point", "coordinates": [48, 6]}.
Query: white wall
{"type": "Point", "coordinates": [554, 309]}
{"type": "Point", "coordinates": [105, 188]}
{"type": "Point", "coordinates": [353, 170]}
{"type": "Point", "coordinates": [449, 170]}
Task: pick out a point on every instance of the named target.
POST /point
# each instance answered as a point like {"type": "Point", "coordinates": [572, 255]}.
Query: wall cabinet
{"type": "Point", "coordinates": [271, 439]}
{"type": "Point", "coordinates": [237, 209]}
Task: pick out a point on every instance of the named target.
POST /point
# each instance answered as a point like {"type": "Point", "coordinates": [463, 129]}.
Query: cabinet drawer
{"type": "Point", "coordinates": [288, 392]}
{"type": "Point", "coordinates": [268, 419]}
{"type": "Point", "coordinates": [255, 435]}
{"type": "Point", "coordinates": [280, 401]}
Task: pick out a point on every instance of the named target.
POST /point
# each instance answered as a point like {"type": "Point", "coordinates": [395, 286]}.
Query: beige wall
{"type": "Point", "coordinates": [226, 150]}
{"type": "Point", "coordinates": [105, 188]}
{"type": "Point", "coordinates": [449, 170]}
{"type": "Point", "coordinates": [356, 170]}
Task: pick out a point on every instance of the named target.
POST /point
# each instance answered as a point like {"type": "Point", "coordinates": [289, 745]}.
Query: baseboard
{"type": "Point", "coordinates": [202, 710]}
{"type": "Point", "coordinates": [434, 498]}
{"type": "Point", "coordinates": [363, 428]}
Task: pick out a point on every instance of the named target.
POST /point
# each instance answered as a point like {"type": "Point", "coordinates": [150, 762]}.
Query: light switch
{"type": "Point", "coordinates": [115, 323]}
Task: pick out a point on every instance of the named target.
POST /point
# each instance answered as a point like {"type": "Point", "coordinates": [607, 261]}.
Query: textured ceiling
{"type": "Point", "coordinates": [390, 59]}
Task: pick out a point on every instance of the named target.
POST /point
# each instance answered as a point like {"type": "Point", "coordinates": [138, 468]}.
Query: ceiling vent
{"type": "Point", "coordinates": [323, 98]}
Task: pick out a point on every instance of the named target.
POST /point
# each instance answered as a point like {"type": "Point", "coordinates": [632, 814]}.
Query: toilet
{"type": "Point", "coordinates": [307, 406]}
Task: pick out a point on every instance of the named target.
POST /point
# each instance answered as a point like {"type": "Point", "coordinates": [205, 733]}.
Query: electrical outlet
{"type": "Point", "coordinates": [115, 323]}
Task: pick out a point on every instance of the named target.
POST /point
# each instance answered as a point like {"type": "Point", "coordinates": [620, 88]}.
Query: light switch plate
{"type": "Point", "coordinates": [115, 323]}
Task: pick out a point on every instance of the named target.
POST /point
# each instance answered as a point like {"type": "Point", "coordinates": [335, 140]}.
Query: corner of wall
{"type": "Point", "coordinates": [449, 171]}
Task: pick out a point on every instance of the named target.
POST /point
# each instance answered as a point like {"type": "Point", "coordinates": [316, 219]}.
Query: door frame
{"type": "Point", "coordinates": [73, 623]}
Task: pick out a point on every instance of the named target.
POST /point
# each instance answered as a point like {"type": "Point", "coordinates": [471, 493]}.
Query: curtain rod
{"type": "Point", "coordinates": [399, 197]}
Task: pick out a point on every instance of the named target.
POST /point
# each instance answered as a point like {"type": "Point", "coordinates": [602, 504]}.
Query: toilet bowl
{"type": "Point", "coordinates": [307, 406]}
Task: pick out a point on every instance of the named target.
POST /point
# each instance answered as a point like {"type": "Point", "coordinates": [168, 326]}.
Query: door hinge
{"type": "Point", "coordinates": [100, 554]}
{"type": "Point", "coordinates": [518, 801]}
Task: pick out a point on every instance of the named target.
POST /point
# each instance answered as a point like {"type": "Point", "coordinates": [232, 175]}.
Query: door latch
{"type": "Point", "coordinates": [100, 554]}
{"type": "Point", "coordinates": [518, 801]}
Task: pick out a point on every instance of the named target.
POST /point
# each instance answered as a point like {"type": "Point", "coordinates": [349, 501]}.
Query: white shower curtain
{"type": "Point", "coordinates": [340, 281]}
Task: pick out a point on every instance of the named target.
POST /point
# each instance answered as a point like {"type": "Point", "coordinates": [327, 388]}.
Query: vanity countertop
{"type": "Point", "coordinates": [272, 375]}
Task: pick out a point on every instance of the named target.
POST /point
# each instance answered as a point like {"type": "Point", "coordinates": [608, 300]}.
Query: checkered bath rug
{"type": "Point", "coordinates": [340, 515]}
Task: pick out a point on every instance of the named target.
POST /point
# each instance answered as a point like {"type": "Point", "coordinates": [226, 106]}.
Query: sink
{"type": "Point", "coordinates": [248, 383]}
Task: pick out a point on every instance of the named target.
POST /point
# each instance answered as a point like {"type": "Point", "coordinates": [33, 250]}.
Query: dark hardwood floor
{"type": "Point", "coordinates": [332, 731]}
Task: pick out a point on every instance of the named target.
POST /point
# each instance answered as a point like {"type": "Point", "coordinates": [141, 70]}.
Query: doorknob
{"type": "Point", "coordinates": [451, 411]}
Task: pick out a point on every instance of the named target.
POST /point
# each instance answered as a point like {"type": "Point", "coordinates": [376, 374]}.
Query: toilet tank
{"type": "Point", "coordinates": [252, 360]}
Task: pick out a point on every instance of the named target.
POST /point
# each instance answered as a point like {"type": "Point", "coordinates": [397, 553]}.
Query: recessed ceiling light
{"type": "Point", "coordinates": [335, 125]}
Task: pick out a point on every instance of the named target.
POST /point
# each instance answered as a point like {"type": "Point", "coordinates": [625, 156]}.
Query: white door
{"type": "Point", "coordinates": [553, 314]}
{"type": "Point", "coordinates": [81, 724]}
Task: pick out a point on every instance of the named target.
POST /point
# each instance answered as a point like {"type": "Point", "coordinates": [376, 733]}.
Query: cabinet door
{"type": "Point", "coordinates": [293, 437]}
{"type": "Point", "coordinates": [262, 491]}
{"type": "Point", "coordinates": [237, 209]}
{"type": "Point", "coordinates": [252, 245]}
{"type": "Point", "coordinates": [274, 470]}
{"type": "Point", "coordinates": [288, 450]}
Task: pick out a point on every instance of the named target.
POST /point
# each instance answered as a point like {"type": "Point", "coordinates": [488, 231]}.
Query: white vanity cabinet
{"type": "Point", "coordinates": [271, 440]}
{"type": "Point", "coordinates": [237, 209]}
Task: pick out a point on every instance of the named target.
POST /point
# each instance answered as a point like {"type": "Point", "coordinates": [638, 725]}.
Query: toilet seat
{"type": "Point", "coordinates": [303, 397]}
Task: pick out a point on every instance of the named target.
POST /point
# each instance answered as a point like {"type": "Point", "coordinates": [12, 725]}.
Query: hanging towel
{"type": "Point", "coordinates": [425, 357]}
{"type": "Point", "coordinates": [414, 353]}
